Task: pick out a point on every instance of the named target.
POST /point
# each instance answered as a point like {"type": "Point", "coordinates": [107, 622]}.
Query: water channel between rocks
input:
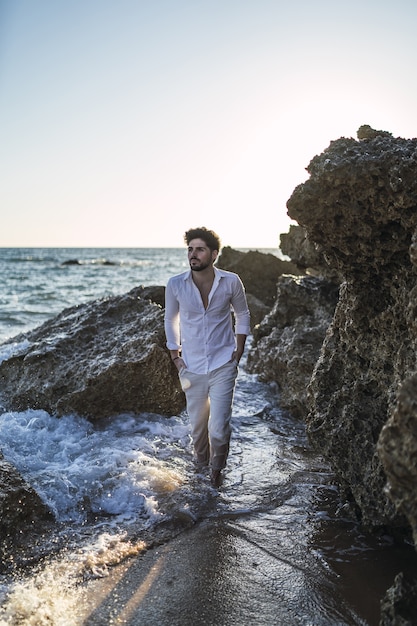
{"type": "Point", "coordinates": [271, 546]}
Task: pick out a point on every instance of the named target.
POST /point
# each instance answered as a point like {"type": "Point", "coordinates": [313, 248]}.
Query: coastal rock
{"type": "Point", "coordinates": [296, 245]}
{"type": "Point", "coordinates": [367, 132]}
{"type": "Point", "coordinates": [98, 359]}
{"type": "Point", "coordinates": [359, 207]}
{"type": "Point", "coordinates": [259, 271]}
{"type": "Point", "coordinates": [20, 506]}
{"type": "Point", "coordinates": [397, 444]}
{"type": "Point", "coordinates": [257, 309]}
{"type": "Point", "coordinates": [399, 605]}
{"type": "Point", "coordinates": [306, 256]}
{"type": "Point", "coordinates": [287, 343]}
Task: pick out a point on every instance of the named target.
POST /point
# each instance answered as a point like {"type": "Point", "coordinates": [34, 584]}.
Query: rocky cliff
{"type": "Point", "coordinates": [347, 363]}
{"type": "Point", "coordinates": [359, 207]}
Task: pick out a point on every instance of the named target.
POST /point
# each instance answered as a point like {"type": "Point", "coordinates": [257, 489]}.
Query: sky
{"type": "Point", "coordinates": [123, 123]}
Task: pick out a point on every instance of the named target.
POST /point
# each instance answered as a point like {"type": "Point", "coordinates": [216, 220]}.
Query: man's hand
{"type": "Point", "coordinates": [179, 362]}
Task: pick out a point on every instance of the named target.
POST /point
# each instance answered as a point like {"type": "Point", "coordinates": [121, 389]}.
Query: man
{"type": "Point", "coordinates": [204, 346]}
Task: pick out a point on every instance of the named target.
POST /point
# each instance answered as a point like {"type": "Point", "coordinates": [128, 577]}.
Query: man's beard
{"type": "Point", "coordinates": [199, 268]}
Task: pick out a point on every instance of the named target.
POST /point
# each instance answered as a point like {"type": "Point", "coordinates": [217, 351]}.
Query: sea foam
{"type": "Point", "coordinates": [117, 468]}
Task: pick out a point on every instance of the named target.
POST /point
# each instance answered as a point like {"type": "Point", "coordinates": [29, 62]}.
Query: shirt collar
{"type": "Point", "coordinates": [217, 274]}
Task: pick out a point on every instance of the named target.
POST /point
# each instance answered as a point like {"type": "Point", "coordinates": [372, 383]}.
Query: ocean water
{"type": "Point", "coordinates": [119, 486]}
{"type": "Point", "coordinates": [39, 283]}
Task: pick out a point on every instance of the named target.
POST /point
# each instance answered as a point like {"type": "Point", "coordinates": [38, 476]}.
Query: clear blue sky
{"type": "Point", "coordinates": [125, 122]}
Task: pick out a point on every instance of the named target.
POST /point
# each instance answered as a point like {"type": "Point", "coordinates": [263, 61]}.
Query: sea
{"type": "Point", "coordinates": [123, 485]}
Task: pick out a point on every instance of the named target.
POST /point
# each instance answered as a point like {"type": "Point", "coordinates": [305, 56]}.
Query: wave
{"type": "Point", "coordinates": [118, 473]}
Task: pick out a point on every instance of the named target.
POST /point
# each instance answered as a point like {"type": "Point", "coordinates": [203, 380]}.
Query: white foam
{"type": "Point", "coordinates": [120, 468]}
{"type": "Point", "coordinates": [12, 349]}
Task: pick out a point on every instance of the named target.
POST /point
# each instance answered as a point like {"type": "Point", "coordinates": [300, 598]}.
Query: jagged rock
{"type": "Point", "coordinates": [397, 448]}
{"type": "Point", "coordinates": [367, 132]}
{"type": "Point", "coordinates": [259, 271]}
{"type": "Point", "coordinates": [20, 506]}
{"type": "Point", "coordinates": [287, 342]}
{"type": "Point", "coordinates": [360, 207]}
{"type": "Point", "coordinates": [98, 359]}
{"type": "Point", "coordinates": [307, 257]}
{"type": "Point", "coordinates": [257, 309]}
{"type": "Point", "coordinates": [296, 245]}
{"type": "Point", "coordinates": [397, 445]}
{"type": "Point", "coordinates": [399, 605]}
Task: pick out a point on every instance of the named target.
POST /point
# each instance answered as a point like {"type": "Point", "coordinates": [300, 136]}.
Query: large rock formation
{"type": "Point", "coordinates": [359, 207]}
{"type": "Point", "coordinates": [287, 342]}
{"type": "Point", "coordinates": [96, 360]}
{"type": "Point", "coordinates": [259, 271]}
{"type": "Point", "coordinates": [307, 257]}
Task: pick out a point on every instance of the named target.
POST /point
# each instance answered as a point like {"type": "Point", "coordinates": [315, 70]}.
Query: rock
{"type": "Point", "coordinates": [257, 309]}
{"type": "Point", "coordinates": [20, 506]}
{"type": "Point", "coordinates": [287, 342]}
{"type": "Point", "coordinates": [259, 271]}
{"type": "Point", "coordinates": [351, 394]}
{"type": "Point", "coordinates": [307, 257]}
{"type": "Point", "coordinates": [397, 444]}
{"type": "Point", "coordinates": [98, 359]}
{"type": "Point", "coordinates": [296, 245]}
{"type": "Point", "coordinates": [366, 132]}
{"type": "Point", "coordinates": [82, 262]}
{"type": "Point", "coordinates": [360, 207]}
{"type": "Point", "coordinates": [399, 605]}
{"type": "Point", "coordinates": [359, 204]}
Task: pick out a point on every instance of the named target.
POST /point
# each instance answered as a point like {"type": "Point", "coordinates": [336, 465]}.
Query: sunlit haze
{"type": "Point", "coordinates": [124, 123]}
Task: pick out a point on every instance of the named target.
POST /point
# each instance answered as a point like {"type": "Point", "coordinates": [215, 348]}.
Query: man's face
{"type": "Point", "coordinates": [199, 255]}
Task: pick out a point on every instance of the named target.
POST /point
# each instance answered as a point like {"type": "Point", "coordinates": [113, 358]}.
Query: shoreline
{"type": "Point", "coordinates": [219, 572]}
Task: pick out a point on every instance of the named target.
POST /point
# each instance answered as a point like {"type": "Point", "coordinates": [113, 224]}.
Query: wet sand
{"type": "Point", "coordinates": [198, 578]}
{"type": "Point", "coordinates": [214, 574]}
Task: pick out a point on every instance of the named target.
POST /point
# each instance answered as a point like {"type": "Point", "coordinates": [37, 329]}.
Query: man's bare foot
{"type": "Point", "coordinates": [216, 478]}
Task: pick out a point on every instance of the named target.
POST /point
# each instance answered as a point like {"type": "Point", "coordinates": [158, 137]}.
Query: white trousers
{"type": "Point", "coordinates": [209, 400]}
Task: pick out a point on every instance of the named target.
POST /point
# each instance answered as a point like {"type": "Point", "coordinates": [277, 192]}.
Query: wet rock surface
{"type": "Point", "coordinates": [98, 359]}
{"type": "Point", "coordinates": [20, 506]}
{"type": "Point", "coordinates": [399, 605]}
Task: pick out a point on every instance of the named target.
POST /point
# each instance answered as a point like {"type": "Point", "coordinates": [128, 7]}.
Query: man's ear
{"type": "Point", "coordinates": [214, 255]}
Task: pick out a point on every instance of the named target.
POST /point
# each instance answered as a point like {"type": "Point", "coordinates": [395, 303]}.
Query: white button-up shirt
{"type": "Point", "coordinates": [205, 336]}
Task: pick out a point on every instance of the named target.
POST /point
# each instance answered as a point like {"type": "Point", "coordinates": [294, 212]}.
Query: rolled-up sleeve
{"type": "Point", "coordinates": [172, 319]}
{"type": "Point", "coordinates": [240, 309]}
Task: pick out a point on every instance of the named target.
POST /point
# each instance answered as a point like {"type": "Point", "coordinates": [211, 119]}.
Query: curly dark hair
{"type": "Point", "coordinates": [211, 238]}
